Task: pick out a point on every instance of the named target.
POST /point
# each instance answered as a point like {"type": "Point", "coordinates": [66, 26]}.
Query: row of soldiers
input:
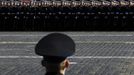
{"type": "Point", "coordinates": [66, 11]}
{"type": "Point", "coordinates": [72, 3]}
{"type": "Point", "coordinates": [61, 22]}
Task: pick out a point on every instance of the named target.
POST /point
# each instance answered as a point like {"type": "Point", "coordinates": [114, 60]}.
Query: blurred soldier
{"type": "Point", "coordinates": [55, 48]}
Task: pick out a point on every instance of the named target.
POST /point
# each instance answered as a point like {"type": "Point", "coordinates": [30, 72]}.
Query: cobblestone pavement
{"type": "Point", "coordinates": [97, 53]}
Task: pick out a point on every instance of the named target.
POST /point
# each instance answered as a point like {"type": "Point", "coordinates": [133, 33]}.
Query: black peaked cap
{"type": "Point", "coordinates": [55, 44]}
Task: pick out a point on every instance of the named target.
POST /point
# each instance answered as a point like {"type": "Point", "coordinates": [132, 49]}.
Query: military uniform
{"type": "Point", "coordinates": [55, 48]}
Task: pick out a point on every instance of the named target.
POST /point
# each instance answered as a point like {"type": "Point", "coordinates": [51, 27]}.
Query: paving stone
{"type": "Point", "coordinates": [84, 66]}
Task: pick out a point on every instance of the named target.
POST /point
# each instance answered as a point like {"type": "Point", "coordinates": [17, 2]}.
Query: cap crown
{"type": "Point", "coordinates": [55, 44]}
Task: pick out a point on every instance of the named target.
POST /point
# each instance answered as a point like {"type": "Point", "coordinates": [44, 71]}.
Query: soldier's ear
{"type": "Point", "coordinates": [67, 63]}
{"type": "Point", "coordinates": [43, 63]}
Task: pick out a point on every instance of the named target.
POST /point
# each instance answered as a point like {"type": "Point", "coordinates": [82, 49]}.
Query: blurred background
{"type": "Point", "coordinates": [66, 15]}
{"type": "Point", "coordinates": [97, 53]}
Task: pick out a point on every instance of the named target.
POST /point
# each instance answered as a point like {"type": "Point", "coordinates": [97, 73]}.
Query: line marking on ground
{"type": "Point", "coordinates": [70, 35]}
{"type": "Point", "coordinates": [14, 49]}
{"type": "Point", "coordinates": [101, 35]}
{"type": "Point", "coordinates": [14, 57]}
{"type": "Point", "coordinates": [18, 42]}
{"type": "Point", "coordinates": [103, 57]}
{"type": "Point", "coordinates": [73, 57]}
{"type": "Point", "coordinates": [107, 42]}
{"type": "Point", "coordinates": [27, 57]}
{"type": "Point", "coordinates": [73, 63]}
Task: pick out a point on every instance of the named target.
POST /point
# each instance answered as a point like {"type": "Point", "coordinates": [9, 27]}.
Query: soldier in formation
{"type": "Point", "coordinates": [55, 48]}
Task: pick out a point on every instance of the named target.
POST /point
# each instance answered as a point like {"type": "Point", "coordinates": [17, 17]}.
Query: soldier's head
{"type": "Point", "coordinates": [55, 65]}
{"type": "Point", "coordinates": [55, 48]}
